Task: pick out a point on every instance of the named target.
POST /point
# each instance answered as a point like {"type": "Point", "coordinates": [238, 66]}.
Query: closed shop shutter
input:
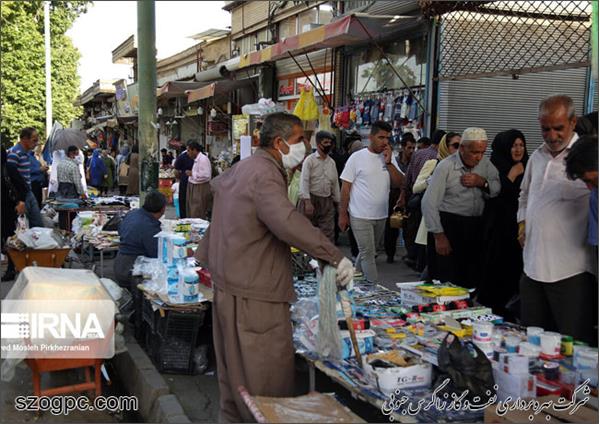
{"type": "Point", "coordinates": [501, 103]}
{"type": "Point", "coordinates": [236, 20]}
{"type": "Point", "coordinates": [255, 12]}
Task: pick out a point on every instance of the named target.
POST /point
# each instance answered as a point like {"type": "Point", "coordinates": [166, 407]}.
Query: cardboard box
{"type": "Point", "coordinates": [390, 379]}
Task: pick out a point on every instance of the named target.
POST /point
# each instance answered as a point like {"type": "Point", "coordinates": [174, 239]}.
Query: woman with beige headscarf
{"type": "Point", "coordinates": [449, 145]}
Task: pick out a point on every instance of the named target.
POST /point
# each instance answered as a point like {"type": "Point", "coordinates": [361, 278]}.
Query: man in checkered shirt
{"type": "Point", "coordinates": [68, 176]}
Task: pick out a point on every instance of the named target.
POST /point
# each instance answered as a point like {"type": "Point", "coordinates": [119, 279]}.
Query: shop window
{"type": "Point", "coordinates": [371, 72]}
{"type": "Point", "coordinates": [248, 44]}
{"type": "Point", "coordinates": [305, 19]}
{"type": "Point", "coordinates": [325, 14]}
{"type": "Point", "coordinates": [287, 27]}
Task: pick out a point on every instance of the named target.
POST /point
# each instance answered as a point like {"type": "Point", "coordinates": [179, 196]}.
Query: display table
{"type": "Point", "coordinates": [69, 213]}
{"type": "Point", "coordinates": [106, 242]}
{"type": "Point", "coordinates": [351, 383]}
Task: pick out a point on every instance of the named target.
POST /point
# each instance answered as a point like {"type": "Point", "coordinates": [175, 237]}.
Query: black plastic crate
{"type": "Point", "coordinates": [149, 316]}
{"type": "Point", "coordinates": [138, 320]}
{"type": "Point", "coordinates": [172, 342]}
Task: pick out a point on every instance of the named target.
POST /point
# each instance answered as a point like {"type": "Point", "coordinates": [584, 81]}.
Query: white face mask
{"type": "Point", "coordinates": [295, 156]}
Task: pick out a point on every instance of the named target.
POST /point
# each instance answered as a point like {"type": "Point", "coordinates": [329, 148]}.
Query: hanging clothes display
{"type": "Point", "coordinates": [307, 108]}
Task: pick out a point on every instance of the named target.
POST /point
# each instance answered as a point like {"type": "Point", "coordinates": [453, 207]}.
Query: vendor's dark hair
{"type": "Point", "coordinates": [425, 141]}
{"type": "Point", "coordinates": [380, 126]}
{"type": "Point", "coordinates": [163, 150]}
{"type": "Point", "coordinates": [323, 135]}
{"type": "Point", "coordinates": [72, 149]}
{"type": "Point", "coordinates": [278, 124]}
{"type": "Point", "coordinates": [155, 201]}
{"type": "Point", "coordinates": [582, 157]}
{"type": "Point", "coordinates": [452, 134]}
{"type": "Point", "coordinates": [194, 145]}
{"type": "Point", "coordinates": [407, 137]}
{"type": "Point", "coordinates": [27, 132]}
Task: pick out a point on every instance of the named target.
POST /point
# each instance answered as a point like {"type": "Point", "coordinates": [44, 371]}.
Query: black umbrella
{"type": "Point", "coordinates": [65, 137]}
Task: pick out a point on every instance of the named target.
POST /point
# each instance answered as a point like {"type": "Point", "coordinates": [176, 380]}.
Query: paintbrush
{"type": "Point", "coordinates": [347, 309]}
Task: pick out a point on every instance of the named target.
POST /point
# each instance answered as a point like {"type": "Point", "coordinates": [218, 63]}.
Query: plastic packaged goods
{"type": "Point", "coordinates": [173, 284]}
{"type": "Point", "coordinates": [188, 285]}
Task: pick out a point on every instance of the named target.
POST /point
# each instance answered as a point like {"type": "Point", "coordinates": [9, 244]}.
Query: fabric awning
{"type": "Point", "coordinates": [216, 88]}
{"type": "Point", "coordinates": [350, 30]}
{"type": "Point", "coordinates": [173, 89]}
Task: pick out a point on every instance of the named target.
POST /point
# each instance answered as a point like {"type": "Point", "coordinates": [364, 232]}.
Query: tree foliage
{"type": "Point", "coordinates": [22, 82]}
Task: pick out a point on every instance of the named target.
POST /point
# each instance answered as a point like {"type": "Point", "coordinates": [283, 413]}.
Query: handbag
{"type": "Point", "coordinates": [397, 218]}
{"type": "Point", "coordinates": [414, 203]}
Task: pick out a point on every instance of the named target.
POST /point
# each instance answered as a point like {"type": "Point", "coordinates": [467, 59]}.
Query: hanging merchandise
{"type": "Point", "coordinates": [375, 110]}
{"type": "Point", "coordinates": [325, 119]}
{"type": "Point", "coordinates": [389, 108]}
{"type": "Point", "coordinates": [307, 108]}
{"type": "Point", "coordinates": [341, 118]}
{"type": "Point", "coordinates": [358, 110]}
{"type": "Point", "coordinates": [404, 107]}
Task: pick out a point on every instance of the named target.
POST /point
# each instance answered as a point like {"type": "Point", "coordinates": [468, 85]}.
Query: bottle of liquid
{"type": "Point", "coordinates": [189, 281]}
{"type": "Point", "coordinates": [173, 284]}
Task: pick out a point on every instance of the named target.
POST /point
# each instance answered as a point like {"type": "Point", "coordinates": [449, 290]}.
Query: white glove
{"type": "Point", "coordinates": [344, 272]}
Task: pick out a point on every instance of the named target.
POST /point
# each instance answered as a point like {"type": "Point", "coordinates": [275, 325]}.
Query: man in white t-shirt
{"type": "Point", "coordinates": [366, 181]}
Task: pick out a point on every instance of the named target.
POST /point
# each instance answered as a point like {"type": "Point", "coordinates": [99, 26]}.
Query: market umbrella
{"type": "Point", "coordinates": [65, 137]}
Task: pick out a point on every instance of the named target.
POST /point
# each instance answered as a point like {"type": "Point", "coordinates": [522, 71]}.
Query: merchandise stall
{"type": "Point", "coordinates": [427, 343]}
{"type": "Point", "coordinates": [172, 299]}
{"type": "Point", "coordinates": [69, 208]}
{"type": "Point", "coordinates": [217, 102]}
{"type": "Point", "coordinates": [388, 81]}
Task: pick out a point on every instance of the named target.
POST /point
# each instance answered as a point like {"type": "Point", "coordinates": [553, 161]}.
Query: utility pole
{"type": "Point", "coordinates": [147, 134]}
{"type": "Point", "coordinates": [48, 68]}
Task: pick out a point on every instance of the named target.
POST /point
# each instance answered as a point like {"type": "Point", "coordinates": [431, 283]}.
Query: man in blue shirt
{"type": "Point", "coordinates": [582, 163]}
{"type": "Point", "coordinates": [19, 156]}
{"type": "Point", "coordinates": [38, 177]}
{"type": "Point", "coordinates": [137, 231]}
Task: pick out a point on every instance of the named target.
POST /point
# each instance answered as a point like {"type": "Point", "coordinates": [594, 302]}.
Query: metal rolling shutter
{"type": "Point", "coordinates": [501, 103]}
{"type": "Point", "coordinates": [288, 66]}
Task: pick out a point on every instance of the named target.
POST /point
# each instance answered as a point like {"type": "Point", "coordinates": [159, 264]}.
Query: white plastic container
{"type": "Point", "coordinates": [550, 343]}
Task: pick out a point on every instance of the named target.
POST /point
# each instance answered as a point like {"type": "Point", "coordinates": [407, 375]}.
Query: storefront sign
{"type": "Point", "coordinates": [286, 90]}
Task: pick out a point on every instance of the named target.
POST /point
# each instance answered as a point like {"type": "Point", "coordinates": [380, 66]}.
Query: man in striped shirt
{"type": "Point", "coordinates": [19, 156]}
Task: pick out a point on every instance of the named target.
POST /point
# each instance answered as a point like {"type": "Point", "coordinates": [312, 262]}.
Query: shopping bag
{"type": "Point", "coordinates": [466, 367]}
{"type": "Point", "coordinates": [22, 224]}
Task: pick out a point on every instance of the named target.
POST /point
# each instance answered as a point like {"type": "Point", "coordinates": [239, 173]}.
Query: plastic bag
{"type": "Point", "coordinates": [22, 224]}
{"type": "Point", "coordinates": [307, 108]}
{"type": "Point", "coordinates": [467, 367]}
{"type": "Point", "coordinates": [39, 238]}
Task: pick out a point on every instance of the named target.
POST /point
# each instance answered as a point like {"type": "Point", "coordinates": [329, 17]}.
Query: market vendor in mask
{"type": "Point", "coordinates": [247, 252]}
{"type": "Point", "coordinates": [136, 233]}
